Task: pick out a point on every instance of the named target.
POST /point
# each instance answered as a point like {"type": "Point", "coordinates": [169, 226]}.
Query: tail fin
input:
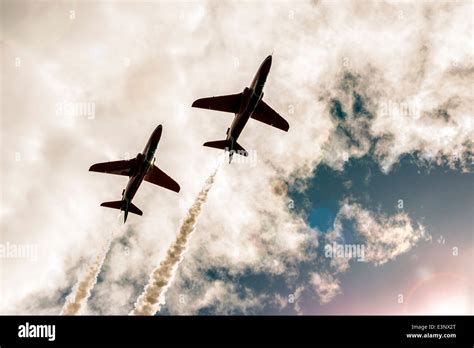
{"type": "Point", "coordinates": [125, 206]}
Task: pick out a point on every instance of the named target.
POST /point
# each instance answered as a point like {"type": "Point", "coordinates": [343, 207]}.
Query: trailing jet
{"type": "Point", "coordinates": [245, 105]}
{"type": "Point", "coordinates": [137, 169]}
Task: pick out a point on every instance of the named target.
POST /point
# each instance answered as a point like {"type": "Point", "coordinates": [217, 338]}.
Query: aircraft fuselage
{"type": "Point", "coordinates": [251, 96]}
{"type": "Point", "coordinates": [143, 162]}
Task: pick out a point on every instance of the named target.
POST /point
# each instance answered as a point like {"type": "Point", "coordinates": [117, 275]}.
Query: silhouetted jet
{"type": "Point", "coordinates": [138, 169]}
{"type": "Point", "coordinates": [244, 105]}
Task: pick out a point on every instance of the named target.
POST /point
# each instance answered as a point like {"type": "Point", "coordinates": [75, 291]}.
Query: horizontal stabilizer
{"type": "Point", "coordinates": [124, 167]}
{"type": "Point", "coordinates": [219, 144]}
{"type": "Point", "coordinates": [227, 145]}
{"type": "Point", "coordinates": [156, 176]}
{"type": "Point", "coordinates": [132, 208]}
{"type": "Point", "coordinates": [264, 113]}
{"type": "Point", "coordinates": [239, 150]}
{"type": "Point", "coordinates": [226, 103]}
{"type": "Point", "coordinates": [113, 205]}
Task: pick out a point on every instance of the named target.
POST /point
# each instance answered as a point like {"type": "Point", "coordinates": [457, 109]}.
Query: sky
{"type": "Point", "coordinates": [365, 206]}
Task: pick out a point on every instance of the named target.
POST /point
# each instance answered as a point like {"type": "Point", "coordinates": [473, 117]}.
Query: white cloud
{"type": "Point", "coordinates": [381, 238]}
{"type": "Point", "coordinates": [326, 286]}
{"type": "Point", "coordinates": [223, 297]}
{"type": "Point", "coordinates": [384, 237]}
{"type": "Point", "coordinates": [180, 52]}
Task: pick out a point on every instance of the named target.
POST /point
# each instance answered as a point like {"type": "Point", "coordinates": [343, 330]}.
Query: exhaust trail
{"type": "Point", "coordinates": [153, 296]}
{"type": "Point", "coordinates": [83, 288]}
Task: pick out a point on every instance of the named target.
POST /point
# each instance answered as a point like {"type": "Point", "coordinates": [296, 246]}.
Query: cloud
{"type": "Point", "coordinates": [153, 296]}
{"type": "Point", "coordinates": [384, 237]}
{"type": "Point", "coordinates": [386, 125]}
{"type": "Point", "coordinates": [216, 296]}
{"type": "Point", "coordinates": [77, 300]}
{"type": "Point", "coordinates": [378, 239]}
{"type": "Point", "coordinates": [326, 286]}
{"type": "Point", "coordinates": [142, 64]}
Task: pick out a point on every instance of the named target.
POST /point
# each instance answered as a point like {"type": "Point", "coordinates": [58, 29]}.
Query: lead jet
{"type": "Point", "coordinates": [245, 105]}
{"type": "Point", "coordinates": [137, 169]}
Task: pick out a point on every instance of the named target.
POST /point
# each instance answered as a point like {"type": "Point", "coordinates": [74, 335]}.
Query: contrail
{"type": "Point", "coordinates": [153, 296]}
{"type": "Point", "coordinates": [78, 298]}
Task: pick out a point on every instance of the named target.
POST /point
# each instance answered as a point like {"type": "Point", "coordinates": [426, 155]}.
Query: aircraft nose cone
{"type": "Point", "coordinates": [157, 132]}
{"type": "Point", "coordinates": [267, 63]}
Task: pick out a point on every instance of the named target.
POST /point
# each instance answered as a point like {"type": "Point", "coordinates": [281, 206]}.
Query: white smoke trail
{"type": "Point", "coordinates": [83, 288]}
{"type": "Point", "coordinates": [153, 296]}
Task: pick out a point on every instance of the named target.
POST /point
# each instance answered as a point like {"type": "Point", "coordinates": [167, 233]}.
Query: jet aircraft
{"type": "Point", "coordinates": [140, 168]}
{"type": "Point", "coordinates": [245, 105]}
